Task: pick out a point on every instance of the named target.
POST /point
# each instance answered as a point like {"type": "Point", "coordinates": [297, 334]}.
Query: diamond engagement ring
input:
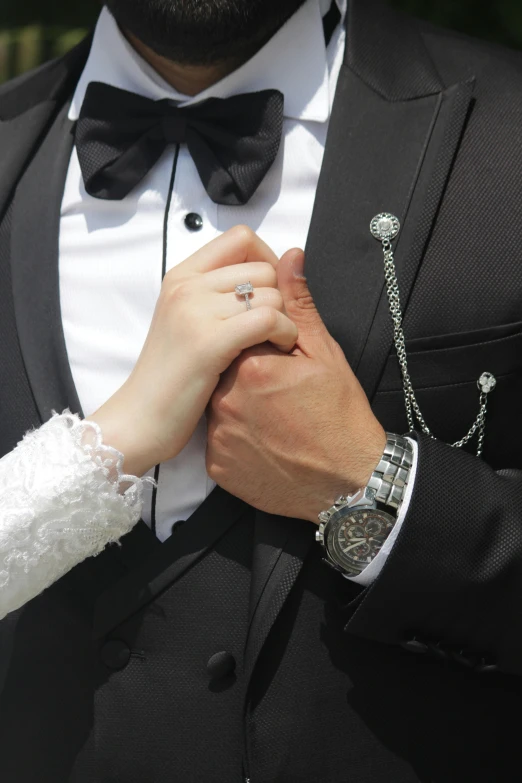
{"type": "Point", "coordinates": [245, 289]}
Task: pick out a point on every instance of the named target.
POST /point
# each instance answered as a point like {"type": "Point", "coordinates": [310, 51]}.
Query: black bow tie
{"type": "Point", "coordinates": [233, 141]}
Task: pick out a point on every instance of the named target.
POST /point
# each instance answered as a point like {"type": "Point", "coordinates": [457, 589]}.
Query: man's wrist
{"type": "Point", "coordinates": [355, 528]}
{"type": "Point", "coordinates": [373, 569]}
{"type": "Point", "coordinates": [369, 458]}
{"type": "Point", "coordinates": [333, 483]}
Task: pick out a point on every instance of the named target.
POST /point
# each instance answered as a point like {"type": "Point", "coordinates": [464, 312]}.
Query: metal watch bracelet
{"type": "Point", "coordinates": [390, 477]}
{"type": "Point", "coordinates": [388, 481]}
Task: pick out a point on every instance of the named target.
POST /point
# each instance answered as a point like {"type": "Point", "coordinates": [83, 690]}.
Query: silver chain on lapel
{"type": "Point", "coordinates": [385, 227]}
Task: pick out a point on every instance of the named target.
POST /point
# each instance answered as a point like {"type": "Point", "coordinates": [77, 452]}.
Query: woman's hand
{"type": "Point", "coordinates": [200, 325]}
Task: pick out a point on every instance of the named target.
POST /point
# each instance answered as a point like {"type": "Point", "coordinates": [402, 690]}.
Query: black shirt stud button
{"type": "Point", "coordinates": [222, 664]}
{"type": "Point", "coordinates": [115, 654]}
{"type": "Point", "coordinates": [193, 221]}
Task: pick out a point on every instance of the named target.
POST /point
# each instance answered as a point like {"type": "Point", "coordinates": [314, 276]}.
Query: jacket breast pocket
{"type": "Point", "coordinates": [444, 370]}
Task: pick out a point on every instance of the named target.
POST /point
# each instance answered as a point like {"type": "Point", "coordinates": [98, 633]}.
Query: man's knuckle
{"type": "Point", "coordinates": [222, 405]}
{"type": "Point", "coordinates": [212, 466]}
{"type": "Point", "coordinates": [253, 369]}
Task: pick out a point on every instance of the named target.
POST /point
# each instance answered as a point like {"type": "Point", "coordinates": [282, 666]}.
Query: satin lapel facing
{"type": "Point", "coordinates": [393, 134]}
{"type": "Point", "coordinates": [34, 270]}
{"type": "Point", "coordinates": [27, 106]}
{"type": "Point", "coordinates": [280, 547]}
{"type": "Point", "coordinates": [18, 136]}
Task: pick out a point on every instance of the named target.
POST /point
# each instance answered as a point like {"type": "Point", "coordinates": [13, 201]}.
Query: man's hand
{"type": "Point", "coordinates": [289, 433]}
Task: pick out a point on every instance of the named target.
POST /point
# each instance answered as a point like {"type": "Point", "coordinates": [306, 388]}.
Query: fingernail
{"type": "Point", "coordinates": [298, 264]}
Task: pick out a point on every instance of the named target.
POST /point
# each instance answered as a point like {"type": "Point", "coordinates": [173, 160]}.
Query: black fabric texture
{"type": "Point", "coordinates": [196, 618]}
{"type": "Point", "coordinates": [232, 141]}
{"type": "Point", "coordinates": [416, 679]}
{"type": "Point", "coordinates": [12, 370]}
{"type": "Point", "coordinates": [490, 577]}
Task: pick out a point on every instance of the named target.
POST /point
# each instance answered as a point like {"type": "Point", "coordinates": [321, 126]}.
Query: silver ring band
{"type": "Point", "coordinates": [245, 289]}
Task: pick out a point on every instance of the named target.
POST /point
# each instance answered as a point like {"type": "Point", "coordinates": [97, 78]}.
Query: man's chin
{"type": "Point", "coordinates": [203, 32]}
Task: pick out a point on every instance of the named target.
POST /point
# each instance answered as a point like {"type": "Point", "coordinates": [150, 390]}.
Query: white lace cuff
{"type": "Point", "coordinates": [63, 498]}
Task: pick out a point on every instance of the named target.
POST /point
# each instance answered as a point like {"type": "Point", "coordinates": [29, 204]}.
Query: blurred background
{"type": "Point", "coordinates": [32, 31]}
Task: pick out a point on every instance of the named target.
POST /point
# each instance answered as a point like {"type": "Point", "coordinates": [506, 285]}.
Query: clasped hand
{"type": "Point", "coordinates": [290, 432]}
{"type": "Point", "coordinates": [289, 427]}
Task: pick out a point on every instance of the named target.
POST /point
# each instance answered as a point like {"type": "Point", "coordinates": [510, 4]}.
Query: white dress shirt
{"type": "Point", "coordinates": [110, 258]}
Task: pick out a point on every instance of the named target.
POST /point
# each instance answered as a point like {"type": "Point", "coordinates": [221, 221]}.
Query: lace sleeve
{"type": "Point", "coordinates": [63, 498]}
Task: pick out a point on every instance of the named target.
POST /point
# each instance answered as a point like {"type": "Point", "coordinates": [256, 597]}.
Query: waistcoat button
{"type": "Point", "coordinates": [115, 654]}
{"type": "Point", "coordinates": [221, 664]}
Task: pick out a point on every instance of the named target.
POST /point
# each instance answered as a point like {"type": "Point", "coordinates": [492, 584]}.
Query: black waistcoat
{"type": "Point", "coordinates": [172, 671]}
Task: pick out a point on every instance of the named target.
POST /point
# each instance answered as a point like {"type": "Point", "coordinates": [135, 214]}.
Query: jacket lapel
{"type": "Point", "coordinates": [27, 108]}
{"type": "Point", "coordinates": [19, 135]}
{"type": "Point", "coordinates": [34, 268]}
{"type": "Point", "coordinates": [122, 578]}
{"type": "Point", "coordinates": [418, 214]}
{"type": "Point", "coordinates": [280, 547]}
{"type": "Point", "coordinates": [393, 134]}
{"type": "Point", "coordinates": [33, 179]}
{"type": "Point", "coordinates": [36, 299]}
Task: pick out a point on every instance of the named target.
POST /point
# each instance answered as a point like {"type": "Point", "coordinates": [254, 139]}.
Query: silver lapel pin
{"type": "Point", "coordinates": [385, 227]}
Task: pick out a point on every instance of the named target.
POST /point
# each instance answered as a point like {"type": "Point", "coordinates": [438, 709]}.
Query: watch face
{"type": "Point", "coordinates": [355, 536]}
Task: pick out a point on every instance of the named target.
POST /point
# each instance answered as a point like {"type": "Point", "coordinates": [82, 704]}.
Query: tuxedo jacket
{"type": "Point", "coordinates": [232, 651]}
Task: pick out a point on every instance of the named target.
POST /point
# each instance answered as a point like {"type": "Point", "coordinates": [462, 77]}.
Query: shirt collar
{"type": "Point", "coordinates": [293, 61]}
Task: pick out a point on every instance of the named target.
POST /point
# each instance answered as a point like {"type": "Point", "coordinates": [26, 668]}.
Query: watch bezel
{"type": "Point", "coordinates": [346, 565]}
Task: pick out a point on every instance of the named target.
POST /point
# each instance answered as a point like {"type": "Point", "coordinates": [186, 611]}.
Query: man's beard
{"type": "Point", "coordinates": [203, 32]}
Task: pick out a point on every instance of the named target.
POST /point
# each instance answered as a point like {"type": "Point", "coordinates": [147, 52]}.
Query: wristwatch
{"type": "Point", "coordinates": [354, 529]}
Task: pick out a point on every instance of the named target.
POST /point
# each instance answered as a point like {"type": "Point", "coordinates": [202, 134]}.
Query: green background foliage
{"type": "Point", "coordinates": [32, 31]}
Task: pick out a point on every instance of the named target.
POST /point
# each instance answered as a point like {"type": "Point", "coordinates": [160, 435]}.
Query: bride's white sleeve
{"type": "Point", "coordinates": [63, 498]}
